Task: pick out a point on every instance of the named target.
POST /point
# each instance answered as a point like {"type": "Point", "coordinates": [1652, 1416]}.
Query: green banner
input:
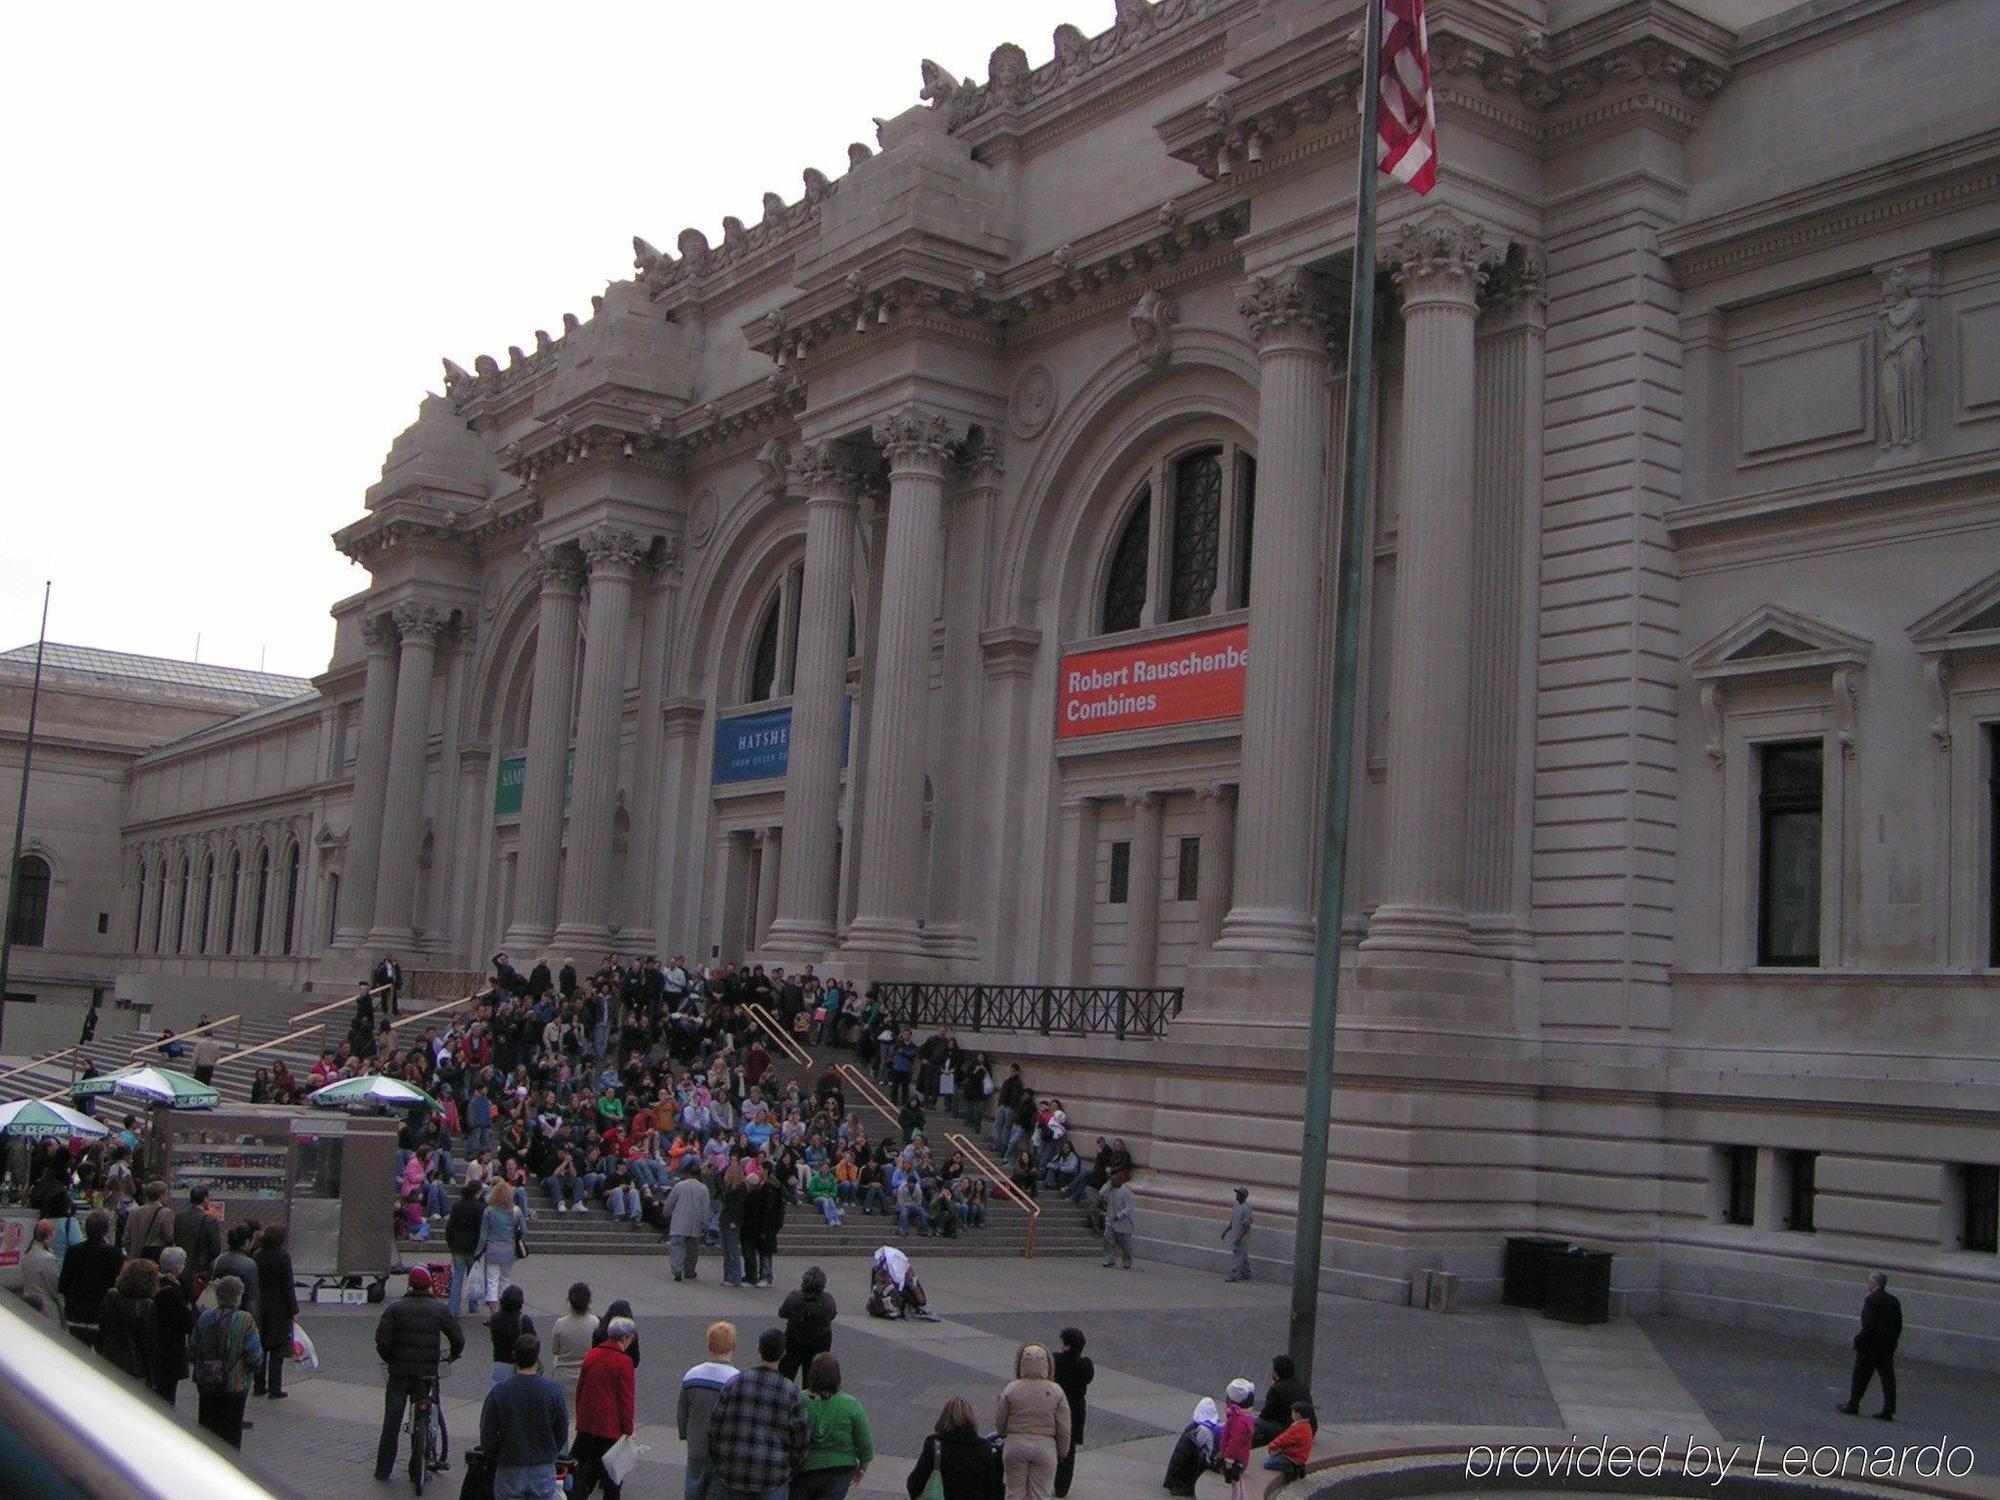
{"type": "Point", "coordinates": [514, 772]}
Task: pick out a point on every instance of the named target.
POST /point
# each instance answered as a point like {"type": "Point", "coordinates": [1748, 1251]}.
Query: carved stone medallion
{"type": "Point", "coordinates": [1033, 402]}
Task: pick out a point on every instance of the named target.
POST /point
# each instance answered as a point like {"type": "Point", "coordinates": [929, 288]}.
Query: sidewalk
{"type": "Point", "coordinates": [1161, 1337]}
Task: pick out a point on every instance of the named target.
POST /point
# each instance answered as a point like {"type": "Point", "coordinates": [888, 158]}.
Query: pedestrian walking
{"type": "Point", "coordinates": [523, 1428]}
{"type": "Point", "coordinates": [958, 1453]}
{"type": "Point", "coordinates": [606, 1408]}
{"type": "Point", "coordinates": [763, 1218]}
{"type": "Point", "coordinates": [1236, 1235]}
{"type": "Point", "coordinates": [461, 1238]}
{"type": "Point", "coordinates": [758, 1431]}
{"type": "Point", "coordinates": [226, 1349]}
{"type": "Point", "coordinates": [1875, 1347]}
{"type": "Point", "coordinates": [701, 1387]}
{"type": "Point", "coordinates": [407, 1338]}
{"type": "Point", "coordinates": [1117, 1210]}
{"type": "Point", "coordinates": [571, 1339]}
{"type": "Point", "coordinates": [499, 1243]}
{"type": "Point", "coordinates": [505, 1328]}
{"type": "Point", "coordinates": [808, 1313]}
{"type": "Point", "coordinates": [1074, 1370]}
{"type": "Point", "coordinates": [687, 1221]}
{"type": "Point", "coordinates": [841, 1447]}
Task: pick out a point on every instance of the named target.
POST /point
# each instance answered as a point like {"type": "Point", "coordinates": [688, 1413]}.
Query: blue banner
{"type": "Point", "coordinates": [757, 747]}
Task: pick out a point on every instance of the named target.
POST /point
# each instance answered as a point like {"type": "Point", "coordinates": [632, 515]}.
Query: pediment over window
{"type": "Point", "coordinates": [1772, 640]}
{"type": "Point", "coordinates": [1967, 624]}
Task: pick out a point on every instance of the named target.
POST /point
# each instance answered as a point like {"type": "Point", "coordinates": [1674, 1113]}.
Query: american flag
{"type": "Point", "coordinates": [1406, 128]}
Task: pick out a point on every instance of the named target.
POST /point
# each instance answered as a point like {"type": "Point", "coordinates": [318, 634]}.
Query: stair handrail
{"type": "Point", "coordinates": [870, 1094]}
{"type": "Point", "coordinates": [772, 1027]}
{"type": "Point", "coordinates": [991, 1171]}
{"type": "Point", "coordinates": [278, 1041]}
{"type": "Point", "coordinates": [320, 1010]}
{"type": "Point", "coordinates": [424, 1015]}
{"type": "Point", "coordinates": [34, 1063]}
{"type": "Point", "coordinates": [181, 1036]}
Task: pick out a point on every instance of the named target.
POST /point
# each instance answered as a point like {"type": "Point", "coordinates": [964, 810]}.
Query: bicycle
{"type": "Point", "coordinates": [430, 1444]}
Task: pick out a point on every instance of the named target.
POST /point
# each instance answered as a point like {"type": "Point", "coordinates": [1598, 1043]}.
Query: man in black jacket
{"type": "Point", "coordinates": [407, 1339]}
{"type": "Point", "coordinates": [1874, 1347]}
{"type": "Point", "coordinates": [88, 1271]}
{"type": "Point", "coordinates": [198, 1232]}
{"type": "Point", "coordinates": [461, 1237]}
{"type": "Point", "coordinates": [1286, 1391]}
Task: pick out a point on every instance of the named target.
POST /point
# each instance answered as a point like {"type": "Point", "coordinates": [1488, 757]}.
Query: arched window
{"type": "Point", "coordinates": [764, 659]}
{"type": "Point", "coordinates": [262, 898]}
{"type": "Point", "coordinates": [181, 909]}
{"type": "Point", "coordinates": [292, 898]}
{"type": "Point", "coordinates": [234, 885]}
{"type": "Point", "coordinates": [28, 924]}
{"type": "Point", "coordinates": [139, 908]}
{"type": "Point", "coordinates": [1197, 535]}
{"type": "Point", "coordinates": [332, 906]}
{"type": "Point", "coordinates": [159, 902]}
{"type": "Point", "coordinates": [1183, 551]}
{"type": "Point", "coordinates": [207, 902]}
{"type": "Point", "coordinates": [1125, 586]}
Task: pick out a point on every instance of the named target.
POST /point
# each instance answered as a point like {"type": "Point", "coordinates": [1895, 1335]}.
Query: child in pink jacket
{"type": "Point", "coordinates": [1238, 1424]}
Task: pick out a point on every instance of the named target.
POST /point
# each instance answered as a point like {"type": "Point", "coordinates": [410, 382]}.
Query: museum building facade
{"type": "Point", "coordinates": [931, 580]}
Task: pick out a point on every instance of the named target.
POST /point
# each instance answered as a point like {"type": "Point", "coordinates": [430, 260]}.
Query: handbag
{"type": "Point", "coordinates": [520, 1244]}
{"type": "Point", "coordinates": [934, 1486]}
{"type": "Point", "coordinates": [620, 1458]}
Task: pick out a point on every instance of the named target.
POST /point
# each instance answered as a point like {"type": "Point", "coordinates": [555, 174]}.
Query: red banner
{"type": "Point", "coordinates": [1180, 681]}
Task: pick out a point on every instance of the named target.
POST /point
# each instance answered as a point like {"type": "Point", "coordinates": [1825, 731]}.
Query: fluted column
{"type": "Point", "coordinates": [1142, 890]}
{"type": "Point", "coordinates": [1423, 905]}
{"type": "Point", "coordinates": [1288, 317]}
{"type": "Point", "coordinates": [540, 854]}
{"type": "Point", "coordinates": [1076, 888]}
{"type": "Point", "coordinates": [808, 882]}
{"type": "Point", "coordinates": [1218, 860]}
{"type": "Point", "coordinates": [371, 781]}
{"type": "Point", "coordinates": [770, 871]}
{"type": "Point", "coordinates": [403, 804]}
{"type": "Point", "coordinates": [660, 616]}
{"type": "Point", "coordinates": [614, 556]}
{"type": "Point", "coordinates": [892, 819]}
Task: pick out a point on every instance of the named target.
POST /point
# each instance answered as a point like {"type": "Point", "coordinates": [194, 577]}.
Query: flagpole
{"type": "Point", "coordinates": [1357, 471]}
{"type": "Point", "coordinates": [21, 814]}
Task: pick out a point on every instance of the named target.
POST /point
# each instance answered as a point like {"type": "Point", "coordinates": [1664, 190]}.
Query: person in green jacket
{"type": "Point", "coordinates": [823, 1190]}
{"type": "Point", "coordinates": [841, 1447]}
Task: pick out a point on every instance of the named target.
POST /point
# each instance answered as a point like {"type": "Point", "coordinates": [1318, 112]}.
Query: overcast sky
{"type": "Point", "coordinates": [244, 234]}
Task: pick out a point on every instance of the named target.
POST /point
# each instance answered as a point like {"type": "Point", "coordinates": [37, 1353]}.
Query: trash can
{"type": "Point", "coordinates": [1523, 1269]}
{"type": "Point", "coordinates": [1579, 1286]}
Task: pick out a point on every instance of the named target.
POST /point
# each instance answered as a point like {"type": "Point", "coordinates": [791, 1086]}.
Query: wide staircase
{"type": "Point", "coordinates": [1060, 1228]}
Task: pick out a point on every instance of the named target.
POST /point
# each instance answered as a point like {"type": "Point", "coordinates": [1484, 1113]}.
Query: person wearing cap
{"type": "Point", "coordinates": [406, 1338]}
{"type": "Point", "coordinates": [1238, 1426]}
{"type": "Point", "coordinates": [1236, 1235]}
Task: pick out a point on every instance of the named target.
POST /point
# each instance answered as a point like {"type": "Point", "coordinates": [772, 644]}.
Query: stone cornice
{"type": "Point", "coordinates": [985, 305]}
{"type": "Point", "coordinates": [1909, 189]}
{"type": "Point", "coordinates": [1646, 55]}
{"type": "Point", "coordinates": [425, 531]}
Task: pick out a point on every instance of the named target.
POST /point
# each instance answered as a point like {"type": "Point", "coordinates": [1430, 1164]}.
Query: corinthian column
{"type": "Point", "coordinates": [808, 883]}
{"type": "Point", "coordinates": [1142, 890]}
{"type": "Point", "coordinates": [371, 777]}
{"type": "Point", "coordinates": [540, 853]}
{"type": "Point", "coordinates": [403, 805]}
{"type": "Point", "coordinates": [1289, 318]}
{"type": "Point", "coordinates": [614, 556]}
{"type": "Point", "coordinates": [892, 821]}
{"type": "Point", "coordinates": [1423, 905]}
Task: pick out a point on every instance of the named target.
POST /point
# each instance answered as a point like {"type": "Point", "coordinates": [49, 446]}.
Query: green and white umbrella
{"type": "Point", "coordinates": [150, 1085]}
{"type": "Point", "coordinates": [371, 1091]}
{"type": "Point", "coordinates": [35, 1117]}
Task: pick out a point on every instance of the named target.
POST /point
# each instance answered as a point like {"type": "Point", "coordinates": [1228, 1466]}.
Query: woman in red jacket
{"type": "Point", "coordinates": [606, 1407]}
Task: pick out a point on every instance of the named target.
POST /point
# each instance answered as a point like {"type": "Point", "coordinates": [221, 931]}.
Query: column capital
{"type": "Point", "coordinates": [418, 621]}
{"type": "Point", "coordinates": [1216, 791]}
{"type": "Point", "coordinates": [1142, 801]}
{"type": "Point", "coordinates": [1441, 256]}
{"type": "Point", "coordinates": [378, 634]}
{"type": "Point", "coordinates": [1516, 284]}
{"type": "Point", "coordinates": [1287, 309]}
{"type": "Point", "coordinates": [560, 568]}
{"type": "Point", "coordinates": [831, 473]}
{"type": "Point", "coordinates": [682, 716]}
{"type": "Point", "coordinates": [916, 440]}
{"type": "Point", "coordinates": [981, 465]}
{"type": "Point", "coordinates": [1074, 807]}
{"type": "Point", "coordinates": [612, 549]}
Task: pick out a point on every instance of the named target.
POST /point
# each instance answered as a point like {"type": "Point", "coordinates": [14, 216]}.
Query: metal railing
{"type": "Point", "coordinates": [772, 1027]}
{"type": "Point", "coordinates": [181, 1036]}
{"type": "Point", "coordinates": [436, 1010]}
{"type": "Point", "coordinates": [72, 1053]}
{"type": "Point", "coordinates": [279, 1041]}
{"type": "Point", "coordinates": [1119, 1011]}
{"type": "Point", "coordinates": [320, 1010]}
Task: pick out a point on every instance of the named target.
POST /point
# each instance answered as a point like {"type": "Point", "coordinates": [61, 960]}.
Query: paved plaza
{"type": "Point", "coordinates": [1162, 1337]}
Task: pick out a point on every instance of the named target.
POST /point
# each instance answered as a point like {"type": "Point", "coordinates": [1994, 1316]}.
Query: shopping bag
{"type": "Point", "coordinates": [302, 1347]}
{"type": "Point", "coordinates": [620, 1458]}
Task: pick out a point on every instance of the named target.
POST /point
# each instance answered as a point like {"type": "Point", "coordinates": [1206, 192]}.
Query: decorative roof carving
{"type": "Point", "coordinates": [1010, 83]}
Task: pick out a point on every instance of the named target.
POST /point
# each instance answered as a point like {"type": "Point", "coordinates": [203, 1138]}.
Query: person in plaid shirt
{"type": "Point", "coordinates": [759, 1430]}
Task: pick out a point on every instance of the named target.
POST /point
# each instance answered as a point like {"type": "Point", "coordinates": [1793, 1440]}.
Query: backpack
{"type": "Point", "coordinates": [212, 1338]}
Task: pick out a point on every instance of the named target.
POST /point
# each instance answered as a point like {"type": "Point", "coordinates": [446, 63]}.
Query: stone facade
{"type": "Point", "coordinates": [1689, 483]}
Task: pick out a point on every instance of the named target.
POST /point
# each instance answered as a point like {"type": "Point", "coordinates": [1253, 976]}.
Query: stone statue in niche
{"type": "Point", "coordinates": [1901, 382]}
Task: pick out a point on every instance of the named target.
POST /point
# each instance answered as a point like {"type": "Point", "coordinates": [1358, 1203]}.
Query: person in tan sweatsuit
{"type": "Point", "coordinates": [1033, 1417]}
